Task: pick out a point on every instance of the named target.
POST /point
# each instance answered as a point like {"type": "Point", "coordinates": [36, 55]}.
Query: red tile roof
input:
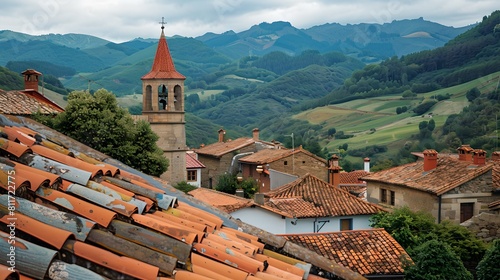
{"type": "Point", "coordinates": [163, 65]}
{"type": "Point", "coordinates": [192, 162]}
{"type": "Point", "coordinates": [219, 149]}
{"type": "Point", "coordinates": [449, 174]}
{"type": "Point", "coordinates": [353, 177]}
{"type": "Point", "coordinates": [271, 155]}
{"type": "Point", "coordinates": [26, 102]}
{"type": "Point", "coordinates": [223, 201]}
{"type": "Point", "coordinates": [316, 198]}
{"type": "Point", "coordinates": [369, 252]}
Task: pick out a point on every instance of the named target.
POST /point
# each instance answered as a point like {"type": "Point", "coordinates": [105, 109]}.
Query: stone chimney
{"type": "Point", "coordinates": [367, 164]}
{"type": "Point", "coordinates": [465, 153]}
{"type": "Point", "coordinates": [479, 157]}
{"type": "Point", "coordinates": [259, 198]}
{"type": "Point", "coordinates": [334, 171]}
{"type": "Point", "coordinates": [222, 132]}
{"type": "Point", "coordinates": [255, 134]}
{"type": "Point", "coordinates": [31, 79]}
{"type": "Point", "coordinates": [430, 160]}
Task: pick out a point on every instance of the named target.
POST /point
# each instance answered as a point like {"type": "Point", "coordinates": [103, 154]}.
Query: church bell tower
{"type": "Point", "coordinates": [163, 108]}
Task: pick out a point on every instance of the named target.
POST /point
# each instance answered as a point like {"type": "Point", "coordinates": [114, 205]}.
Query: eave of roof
{"type": "Point", "coordinates": [449, 174]}
{"type": "Point", "coordinates": [219, 149]}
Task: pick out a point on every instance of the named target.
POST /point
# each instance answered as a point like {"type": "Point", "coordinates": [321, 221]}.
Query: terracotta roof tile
{"type": "Point", "coordinates": [192, 162]}
{"type": "Point", "coordinates": [219, 149]}
{"type": "Point", "coordinates": [369, 252]}
{"type": "Point", "coordinates": [271, 155]}
{"type": "Point", "coordinates": [353, 177]}
{"type": "Point", "coordinates": [316, 198]}
{"type": "Point", "coordinates": [449, 174]}
{"type": "Point", "coordinates": [26, 103]}
{"type": "Point", "coordinates": [225, 202]}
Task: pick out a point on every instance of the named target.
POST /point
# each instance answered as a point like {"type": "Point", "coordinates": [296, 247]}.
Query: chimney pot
{"type": "Point", "coordinates": [430, 159]}
{"type": "Point", "coordinates": [366, 164]}
{"type": "Point", "coordinates": [31, 79]}
{"type": "Point", "coordinates": [221, 132]}
{"type": "Point", "coordinates": [465, 153]}
{"type": "Point", "coordinates": [255, 134]}
{"type": "Point", "coordinates": [479, 157]}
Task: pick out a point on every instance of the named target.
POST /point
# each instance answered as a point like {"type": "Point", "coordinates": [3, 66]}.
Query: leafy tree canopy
{"type": "Point", "coordinates": [488, 267]}
{"type": "Point", "coordinates": [97, 121]}
{"type": "Point", "coordinates": [435, 260]}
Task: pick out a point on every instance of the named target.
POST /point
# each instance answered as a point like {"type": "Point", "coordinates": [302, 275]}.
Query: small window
{"type": "Point", "coordinates": [345, 224]}
{"type": "Point", "coordinates": [285, 162]}
{"type": "Point", "coordinates": [383, 195]}
{"type": "Point", "coordinates": [191, 175]}
{"type": "Point", "coordinates": [393, 198]}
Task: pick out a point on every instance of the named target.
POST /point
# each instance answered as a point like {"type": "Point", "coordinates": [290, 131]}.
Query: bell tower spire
{"type": "Point", "coordinates": [163, 107]}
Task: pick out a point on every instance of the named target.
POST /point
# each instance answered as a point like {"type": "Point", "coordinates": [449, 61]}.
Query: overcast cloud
{"type": "Point", "coordinates": [123, 20]}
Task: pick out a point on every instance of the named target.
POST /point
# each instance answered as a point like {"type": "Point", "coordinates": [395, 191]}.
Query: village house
{"type": "Point", "coordinates": [305, 205]}
{"type": "Point", "coordinates": [222, 157]}
{"type": "Point", "coordinates": [193, 169]}
{"type": "Point", "coordinates": [265, 165]}
{"type": "Point", "coordinates": [446, 185]}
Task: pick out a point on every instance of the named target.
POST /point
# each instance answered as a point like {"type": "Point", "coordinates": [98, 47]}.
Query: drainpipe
{"type": "Point", "coordinates": [439, 209]}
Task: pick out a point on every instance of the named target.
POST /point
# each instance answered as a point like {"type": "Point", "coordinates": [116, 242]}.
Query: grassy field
{"type": "Point", "coordinates": [374, 121]}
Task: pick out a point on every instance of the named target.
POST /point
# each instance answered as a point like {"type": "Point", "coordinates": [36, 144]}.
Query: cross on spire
{"type": "Point", "coordinates": [162, 22]}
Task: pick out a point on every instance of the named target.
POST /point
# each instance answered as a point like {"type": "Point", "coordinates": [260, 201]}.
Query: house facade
{"type": "Point", "coordinates": [296, 162]}
{"type": "Point", "coordinates": [447, 186]}
{"type": "Point", "coordinates": [222, 157]}
{"type": "Point", "coordinates": [193, 169]}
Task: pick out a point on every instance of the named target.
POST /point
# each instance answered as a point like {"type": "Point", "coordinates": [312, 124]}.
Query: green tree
{"type": "Point", "coordinates": [97, 121]}
{"type": "Point", "coordinates": [488, 267]}
{"type": "Point", "coordinates": [435, 260]}
{"type": "Point", "coordinates": [472, 94]}
{"type": "Point", "coordinates": [407, 227]}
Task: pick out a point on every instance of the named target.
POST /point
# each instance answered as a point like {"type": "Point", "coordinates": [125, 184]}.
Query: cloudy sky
{"type": "Point", "coordinates": [123, 20]}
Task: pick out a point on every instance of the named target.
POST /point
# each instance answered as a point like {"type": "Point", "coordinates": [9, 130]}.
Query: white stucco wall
{"type": "Point", "coordinates": [261, 218]}
{"type": "Point", "coordinates": [328, 224]}
{"type": "Point", "coordinates": [275, 224]}
{"type": "Point", "coordinates": [196, 183]}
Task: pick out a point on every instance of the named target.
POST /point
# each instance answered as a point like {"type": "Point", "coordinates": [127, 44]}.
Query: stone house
{"type": "Point", "coordinates": [447, 186]}
{"type": "Point", "coordinates": [298, 162]}
{"type": "Point", "coordinates": [222, 157]}
{"type": "Point", "coordinates": [193, 169]}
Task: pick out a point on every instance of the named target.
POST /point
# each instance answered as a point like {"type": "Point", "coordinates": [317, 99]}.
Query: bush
{"type": "Point", "coordinates": [488, 267]}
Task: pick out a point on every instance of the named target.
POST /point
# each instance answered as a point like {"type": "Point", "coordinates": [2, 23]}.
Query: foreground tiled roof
{"type": "Point", "coordinates": [449, 174]}
{"type": "Point", "coordinates": [219, 149]}
{"type": "Point", "coordinates": [313, 197]}
{"type": "Point", "coordinates": [271, 155]}
{"type": "Point", "coordinates": [192, 162]}
{"type": "Point", "coordinates": [369, 252]}
{"type": "Point", "coordinates": [82, 215]}
{"type": "Point", "coordinates": [26, 103]}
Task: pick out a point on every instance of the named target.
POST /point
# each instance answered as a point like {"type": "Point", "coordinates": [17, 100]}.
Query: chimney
{"type": "Point", "coordinates": [334, 171]}
{"type": "Point", "coordinates": [259, 198]}
{"type": "Point", "coordinates": [31, 79]}
{"type": "Point", "coordinates": [367, 164]}
{"type": "Point", "coordinates": [240, 193]}
{"type": "Point", "coordinates": [495, 155]}
{"type": "Point", "coordinates": [465, 153]}
{"type": "Point", "coordinates": [255, 134]}
{"type": "Point", "coordinates": [479, 157]}
{"type": "Point", "coordinates": [221, 134]}
{"type": "Point", "coordinates": [430, 160]}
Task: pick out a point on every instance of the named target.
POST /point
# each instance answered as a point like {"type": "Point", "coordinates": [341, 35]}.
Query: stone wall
{"type": "Point", "coordinates": [486, 226]}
